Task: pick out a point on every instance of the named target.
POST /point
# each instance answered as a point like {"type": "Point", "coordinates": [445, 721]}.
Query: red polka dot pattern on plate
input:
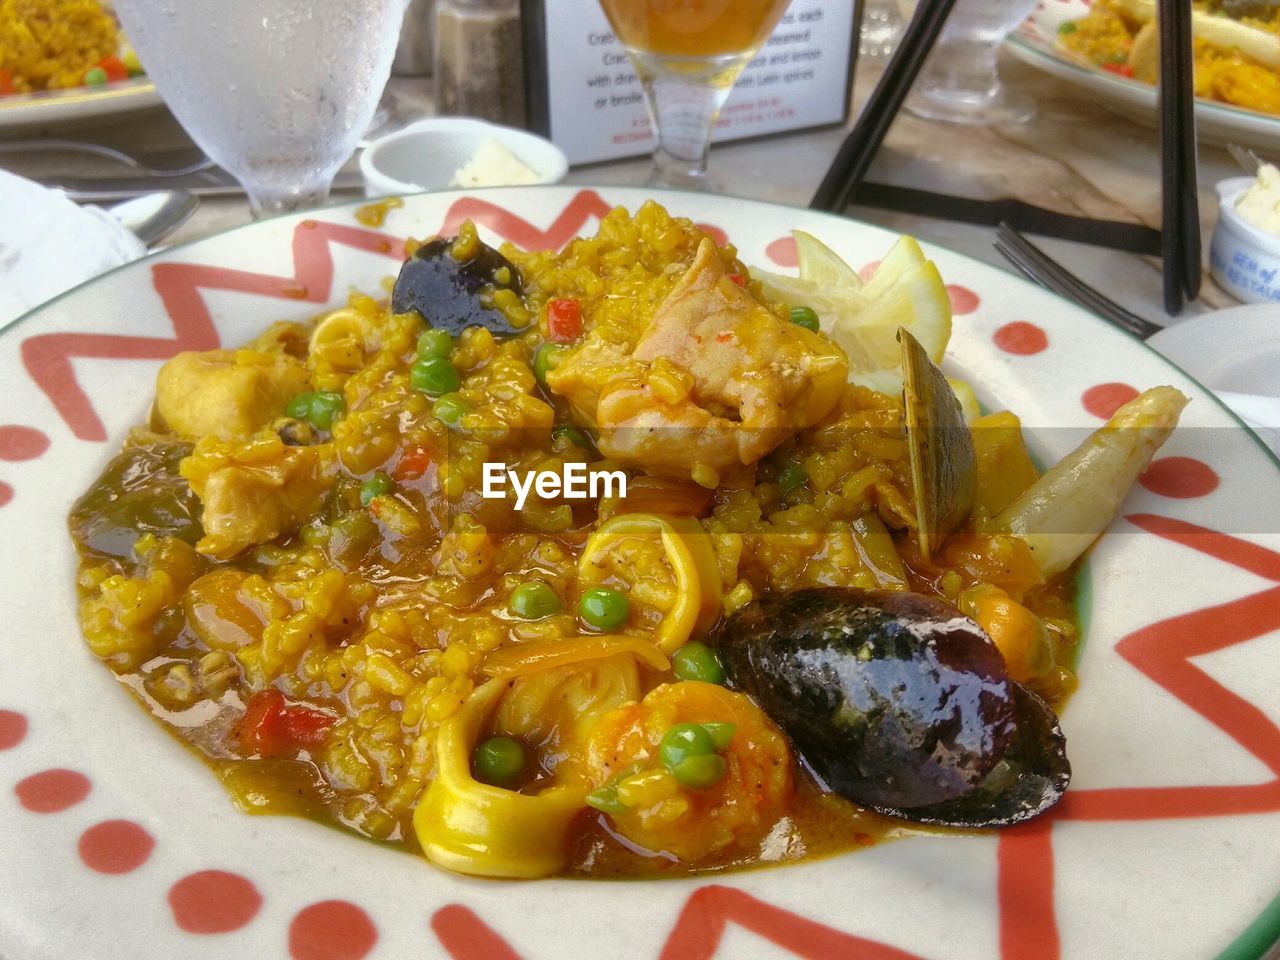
{"type": "Point", "coordinates": [1180, 478]}
{"type": "Point", "coordinates": [213, 901]}
{"type": "Point", "coordinates": [115, 846]}
{"type": "Point", "coordinates": [1021, 338]}
{"type": "Point", "coordinates": [13, 728]}
{"type": "Point", "coordinates": [714, 232]}
{"type": "Point", "coordinates": [783, 252]}
{"type": "Point", "coordinates": [6, 493]}
{"type": "Point", "coordinates": [52, 791]}
{"type": "Point", "coordinates": [963, 300]}
{"type": "Point", "coordinates": [1105, 399]}
{"type": "Point", "coordinates": [21, 443]}
{"type": "Point", "coordinates": [466, 937]}
{"type": "Point", "coordinates": [331, 930]}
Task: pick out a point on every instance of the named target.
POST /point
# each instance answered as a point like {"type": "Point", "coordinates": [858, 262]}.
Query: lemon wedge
{"type": "Point", "coordinates": [821, 265]}
{"type": "Point", "coordinates": [969, 406]}
{"type": "Point", "coordinates": [905, 290]}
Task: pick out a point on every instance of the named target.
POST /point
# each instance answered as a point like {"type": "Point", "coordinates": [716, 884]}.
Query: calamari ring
{"type": "Point", "coordinates": [692, 559]}
{"type": "Point", "coordinates": [473, 828]}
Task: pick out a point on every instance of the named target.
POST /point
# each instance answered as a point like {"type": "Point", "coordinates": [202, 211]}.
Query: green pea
{"type": "Point", "coordinates": [350, 536]}
{"type": "Point", "coordinates": [299, 407]}
{"type": "Point", "coordinates": [721, 734]}
{"type": "Point", "coordinates": [572, 434]}
{"type": "Point", "coordinates": [548, 357]}
{"type": "Point", "coordinates": [375, 486]}
{"type": "Point", "coordinates": [534, 600]}
{"type": "Point", "coordinates": [499, 761]}
{"type": "Point", "coordinates": [805, 317]}
{"type": "Point", "coordinates": [696, 661]}
{"type": "Point", "coordinates": [605, 799]}
{"type": "Point", "coordinates": [701, 772]}
{"type": "Point", "coordinates": [603, 608]}
{"type": "Point", "coordinates": [1066, 27]}
{"type": "Point", "coordinates": [450, 408]}
{"type": "Point", "coordinates": [434, 343]}
{"type": "Point", "coordinates": [682, 741]}
{"type": "Point", "coordinates": [95, 77]}
{"type": "Point", "coordinates": [434, 377]}
{"type": "Point", "coordinates": [326, 406]}
{"type": "Point", "coordinates": [791, 477]}
{"type": "Point", "coordinates": [314, 534]}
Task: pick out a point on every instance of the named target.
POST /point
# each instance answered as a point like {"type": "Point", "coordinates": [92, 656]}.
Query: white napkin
{"type": "Point", "coordinates": [48, 245]}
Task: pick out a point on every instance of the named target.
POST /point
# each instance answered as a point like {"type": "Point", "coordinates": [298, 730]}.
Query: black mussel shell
{"type": "Point", "coordinates": [140, 491]}
{"type": "Point", "coordinates": [894, 700]}
{"type": "Point", "coordinates": [1029, 779]}
{"type": "Point", "coordinates": [446, 291]}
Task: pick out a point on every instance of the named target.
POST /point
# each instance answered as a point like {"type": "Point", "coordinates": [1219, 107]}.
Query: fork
{"type": "Point", "coordinates": [195, 160]}
{"type": "Point", "coordinates": [1037, 265]}
{"type": "Point", "coordinates": [1245, 157]}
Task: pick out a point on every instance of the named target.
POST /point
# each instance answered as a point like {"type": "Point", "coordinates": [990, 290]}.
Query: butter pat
{"type": "Point", "coordinates": [1260, 204]}
{"type": "Point", "coordinates": [493, 165]}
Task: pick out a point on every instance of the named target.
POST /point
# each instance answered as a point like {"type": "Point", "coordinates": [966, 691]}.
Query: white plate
{"type": "Point", "coordinates": [1036, 42]}
{"type": "Point", "coordinates": [1166, 845]}
{"type": "Point", "coordinates": [53, 108]}
{"type": "Point", "coordinates": [1236, 349]}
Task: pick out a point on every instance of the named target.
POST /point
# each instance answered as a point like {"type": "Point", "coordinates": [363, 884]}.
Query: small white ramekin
{"type": "Point", "coordinates": [425, 155]}
{"type": "Point", "coordinates": [1244, 259]}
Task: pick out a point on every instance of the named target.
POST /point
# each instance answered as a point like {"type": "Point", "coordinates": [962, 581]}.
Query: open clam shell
{"type": "Point", "coordinates": [943, 461]}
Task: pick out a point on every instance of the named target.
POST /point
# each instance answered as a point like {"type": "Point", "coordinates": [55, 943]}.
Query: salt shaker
{"type": "Point", "coordinates": [479, 62]}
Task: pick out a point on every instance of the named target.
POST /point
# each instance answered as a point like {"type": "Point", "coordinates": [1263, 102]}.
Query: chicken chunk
{"type": "Point", "coordinates": [226, 393]}
{"type": "Point", "coordinates": [715, 382]}
{"type": "Point", "coordinates": [253, 492]}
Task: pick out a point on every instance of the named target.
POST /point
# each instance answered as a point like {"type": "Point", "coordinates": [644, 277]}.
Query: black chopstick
{"type": "Point", "coordinates": [1037, 265]}
{"type": "Point", "coordinates": [859, 148]}
{"type": "Point", "coordinates": [1190, 169]}
{"type": "Point", "coordinates": [1180, 228]}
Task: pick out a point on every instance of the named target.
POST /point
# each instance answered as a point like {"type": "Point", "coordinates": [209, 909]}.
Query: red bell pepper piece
{"type": "Point", "coordinates": [114, 68]}
{"type": "Point", "coordinates": [273, 727]}
{"type": "Point", "coordinates": [564, 320]}
{"type": "Point", "coordinates": [412, 464]}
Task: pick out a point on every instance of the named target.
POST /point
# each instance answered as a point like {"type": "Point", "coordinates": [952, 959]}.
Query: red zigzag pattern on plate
{"type": "Point", "coordinates": [1162, 652]}
{"type": "Point", "coordinates": [47, 357]}
{"type": "Point", "coordinates": [696, 935]}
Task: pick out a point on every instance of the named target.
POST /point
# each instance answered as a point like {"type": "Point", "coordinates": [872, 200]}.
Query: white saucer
{"type": "Point", "coordinates": [1236, 354]}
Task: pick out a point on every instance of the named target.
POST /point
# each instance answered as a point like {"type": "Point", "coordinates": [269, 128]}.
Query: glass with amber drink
{"type": "Point", "coordinates": [688, 54]}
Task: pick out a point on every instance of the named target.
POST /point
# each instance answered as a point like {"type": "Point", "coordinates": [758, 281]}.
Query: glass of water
{"type": "Point", "coordinates": [882, 27]}
{"type": "Point", "coordinates": [961, 82]}
{"type": "Point", "coordinates": [275, 91]}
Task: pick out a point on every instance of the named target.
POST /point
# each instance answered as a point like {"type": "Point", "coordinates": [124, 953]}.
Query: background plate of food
{"type": "Point", "coordinates": [1110, 47]}
{"type": "Point", "coordinates": [290, 596]}
{"type": "Point", "coordinates": [63, 61]}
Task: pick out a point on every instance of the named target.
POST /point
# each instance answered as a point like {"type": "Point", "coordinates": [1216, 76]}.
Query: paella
{"type": "Point", "coordinates": [620, 560]}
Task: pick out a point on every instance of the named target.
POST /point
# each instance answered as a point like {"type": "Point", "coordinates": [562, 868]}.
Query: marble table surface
{"type": "Point", "coordinates": [1074, 157]}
